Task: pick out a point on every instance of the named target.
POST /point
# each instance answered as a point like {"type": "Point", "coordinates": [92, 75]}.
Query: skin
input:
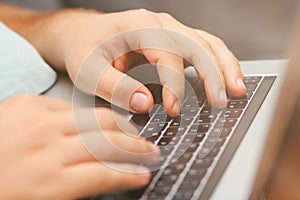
{"type": "Point", "coordinates": [41, 153]}
{"type": "Point", "coordinates": [65, 38]}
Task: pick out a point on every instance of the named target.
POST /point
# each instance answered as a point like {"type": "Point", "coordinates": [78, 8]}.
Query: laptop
{"type": "Point", "coordinates": [211, 153]}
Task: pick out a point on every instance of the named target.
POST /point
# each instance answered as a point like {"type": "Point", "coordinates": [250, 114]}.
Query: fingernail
{"type": "Point", "coordinates": [144, 174]}
{"type": "Point", "coordinates": [223, 97]}
{"type": "Point", "coordinates": [240, 83]}
{"type": "Point", "coordinates": [139, 102]}
{"type": "Point", "coordinates": [155, 150]}
{"type": "Point", "coordinates": [176, 107]}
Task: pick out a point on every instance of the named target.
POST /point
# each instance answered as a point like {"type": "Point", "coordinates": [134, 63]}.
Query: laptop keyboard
{"type": "Point", "coordinates": [197, 145]}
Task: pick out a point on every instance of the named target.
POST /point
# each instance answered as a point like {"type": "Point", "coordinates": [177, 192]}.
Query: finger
{"type": "Point", "coordinates": [163, 53]}
{"type": "Point", "coordinates": [171, 74]}
{"type": "Point", "coordinates": [109, 146]}
{"type": "Point", "coordinates": [49, 103]}
{"type": "Point", "coordinates": [94, 119]}
{"type": "Point", "coordinates": [99, 179]}
{"type": "Point", "coordinates": [229, 65]}
{"type": "Point", "coordinates": [124, 62]}
{"type": "Point", "coordinates": [199, 52]}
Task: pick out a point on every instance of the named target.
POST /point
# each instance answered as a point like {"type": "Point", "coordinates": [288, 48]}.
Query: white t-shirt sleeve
{"type": "Point", "coordinates": [22, 69]}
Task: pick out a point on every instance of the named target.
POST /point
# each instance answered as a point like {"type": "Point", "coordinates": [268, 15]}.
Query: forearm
{"type": "Point", "coordinates": [20, 20]}
{"type": "Point", "coordinates": [35, 27]}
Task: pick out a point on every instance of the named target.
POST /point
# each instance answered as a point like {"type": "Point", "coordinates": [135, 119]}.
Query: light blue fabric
{"type": "Point", "coordinates": [22, 69]}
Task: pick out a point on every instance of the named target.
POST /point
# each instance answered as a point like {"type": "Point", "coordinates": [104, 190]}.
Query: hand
{"type": "Point", "coordinates": [43, 157]}
{"type": "Point", "coordinates": [68, 37]}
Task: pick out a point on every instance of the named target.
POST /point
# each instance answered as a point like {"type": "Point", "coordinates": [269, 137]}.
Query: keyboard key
{"type": "Point", "coordinates": [208, 152]}
{"type": "Point", "coordinates": [161, 191]}
{"type": "Point", "coordinates": [150, 134]}
{"type": "Point", "coordinates": [237, 104]}
{"type": "Point", "coordinates": [152, 138]}
{"type": "Point", "coordinates": [183, 196]}
{"type": "Point", "coordinates": [220, 132]}
{"type": "Point", "coordinates": [160, 118]}
{"type": "Point", "coordinates": [164, 141]}
{"type": "Point", "coordinates": [155, 127]}
{"type": "Point", "coordinates": [194, 174]}
{"type": "Point", "coordinates": [202, 163]}
{"type": "Point", "coordinates": [175, 131]}
{"type": "Point", "coordinates": [199, 128]}
{"type": "Point", "coordinates": [205, 118]}
{"type": "Point", "coordinates": [140, 120]}
{"type": "Point", "coordinates": [189, 112]}
{"type": "Point", "coordinates": [181, 121]}
{"type": "Point", "coordinates": [214, 142]}
{"type": "Point", "coordinates": [226, 122]}
{"type": "Point", "coordinates": [208, 109]}
{"type": "Point", "coordinates": [231, 113]}
{"type": "Point", "coordinates": [251, 87]}
{"type": "Point", "coordinates": [248, 96]}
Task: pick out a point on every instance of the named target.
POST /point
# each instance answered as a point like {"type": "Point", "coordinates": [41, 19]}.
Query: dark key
{"type": "Point", "coordinates": [182, 148]}
{"type": "Point", "coordinates": [183, 196]}
{"type": "Point", "coordinates": [189, 185]}
{"type": "Point", "coordinates": [160, 118]}
{"type": "Point", "coordinates": [214, 142]}
{"type": "Point", "coordinates": [135, 194]}
{"type": "Point", "coordinates": [208, 109]}
{"type": "Point", "coordinates": [152, 138]}
{"type": "Point", "coordinates": [205, 118]}
{"type": "Point", "coordinates": [175, 131]}
{"type": "Point", "coordinates": [140, 120]}
{"type": "Point", "coordinates": [155, 127]}
{"type": "Point", "coordinates": [189, 111]}
{"type": "Point", "coordinates": [193, 138]}
{"type": "Point", "coordinates": [247, 97]}
{"type": "Point", "coordinates": [237, 104]}
{"type": "Point", "coordinates": [156, 90]}
{"type": "Point", "coordinates": [150, 134]}
{"type": "Point", "coordinates": [199, 128]}
{"type": "Point", "coordinates": [161, 110]}
{"type": "Point", "coordinates": [231, 113]}
{"type": "Point", "coordinates": [193, 147]}
{"type": "Point", "coordinates": [161, 191]}
{"type": "Point", "coordinates": [164, 141]}
{"type": "Point", "coordinates": [226, 122]}
{"type": "Point", "coordinates": [181, 159]}
{"type": "Point", "coordinates": [176, 168]}
{"type": "Point", "coordinates": [199, 90]}
{"type": "Point", "coordinates": [220, 132]}
{"type": "Point", "coordinates": [170, 179]}
{"type": "Point", "coordinates": [166, 150]}
{"type": "Point", "coordinates": [251, 87]}
{"type": "Point", "coordinates": [181, 121]}
{"type": "Point", "coordinates": [194, 174]}
{"type": "Point", "coordinates": [202, 163]}
{"type": "Point", "coordinates": [208, 152]}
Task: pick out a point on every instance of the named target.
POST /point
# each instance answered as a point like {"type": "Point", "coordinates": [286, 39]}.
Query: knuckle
{"type": "Point", "coordinates": [218, 41]}
{"type": "Point", "coordinates": [143, 12]}
{"type": "Point", "coordinates": [165, 16]}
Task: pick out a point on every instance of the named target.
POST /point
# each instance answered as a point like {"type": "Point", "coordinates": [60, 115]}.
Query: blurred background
{"type": "Point", "coordinates": [256, 29]}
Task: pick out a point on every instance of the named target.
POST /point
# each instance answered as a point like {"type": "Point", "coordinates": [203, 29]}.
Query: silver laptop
{"type": "Point", "coordinates": [209, 153]}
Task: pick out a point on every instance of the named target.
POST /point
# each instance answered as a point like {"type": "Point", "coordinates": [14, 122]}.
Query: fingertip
{"type": "Point", "coordinates": [141, 101]}
{"type": "Point", "coordinates": [144, 175]}
{"type": "Point", "coordinates": [236, 87]}
{"type": "Point", "coordinates": [171, 103]}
